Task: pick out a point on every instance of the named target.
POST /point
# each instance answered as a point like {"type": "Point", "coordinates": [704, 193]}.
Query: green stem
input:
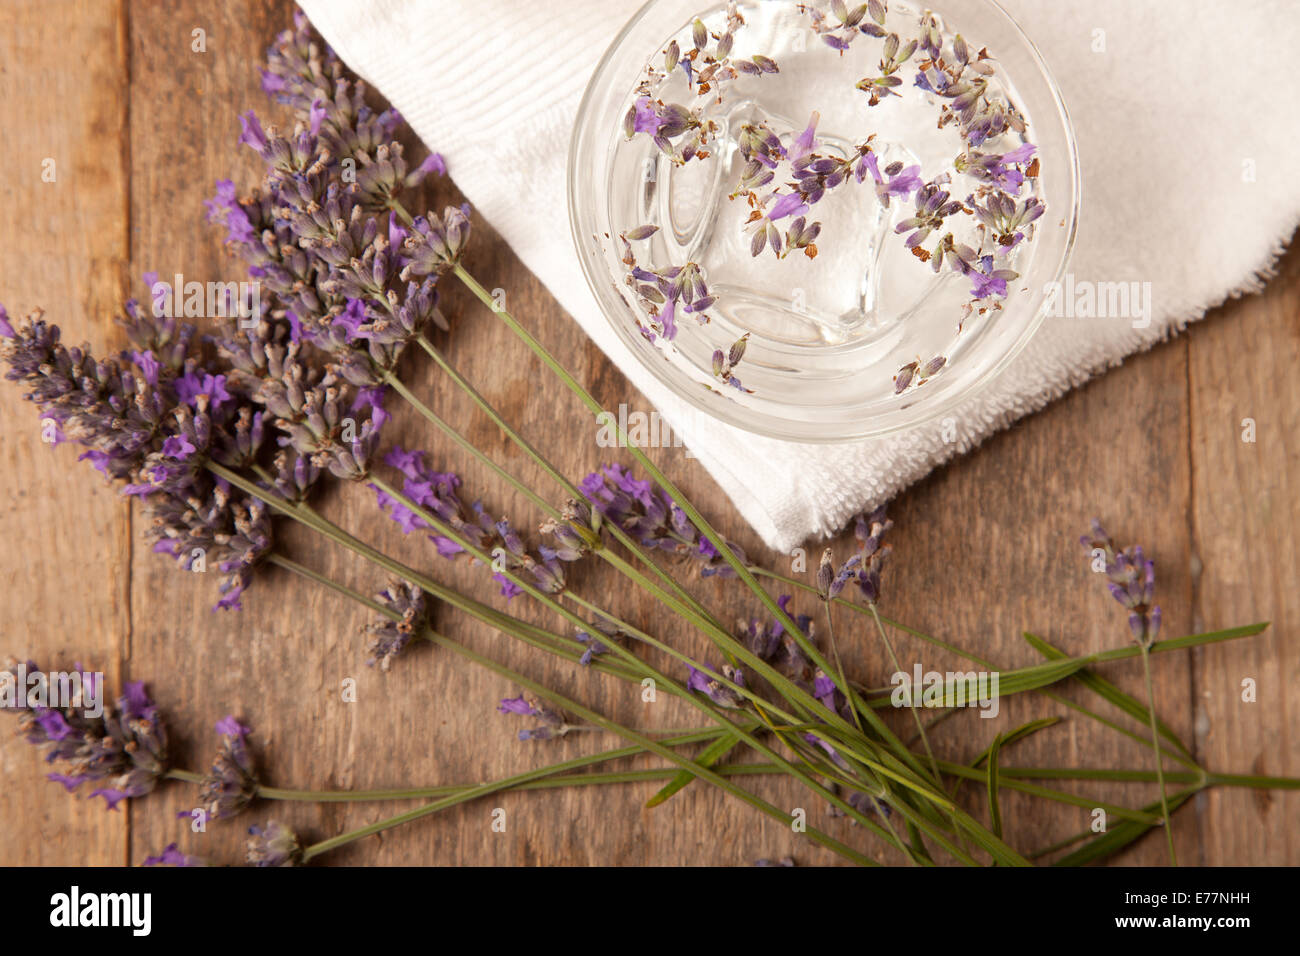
{"type": "Point", "coordinates": [898, 668]}
{"type": "Point", "coordinates": [554, 473]}
{"type": "Point", "coordinates": [694, 699]}
{"type": "Point", "coordinates": [347, 540]}
{"type": "Point", "coordinates": [696, 518]}
{"type": "Point", "coordinates": [646, 743]}
{"type": "Point", "coordinates": [1155, 745]}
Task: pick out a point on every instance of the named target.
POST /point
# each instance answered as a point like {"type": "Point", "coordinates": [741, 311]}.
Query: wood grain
{"type": "Point", "coordinates": [66, 562]}
{"type": "Point", "coordinates": [983, 549]}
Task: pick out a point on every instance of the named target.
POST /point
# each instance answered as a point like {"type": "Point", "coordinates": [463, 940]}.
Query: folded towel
{"type": "Point", "coordinates": [1187, 128]}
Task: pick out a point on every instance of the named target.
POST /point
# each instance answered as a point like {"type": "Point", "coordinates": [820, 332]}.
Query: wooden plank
{"type": "Point", "coordinates": [983, 549]}
{"type": "Point", "coordinates": [988, 547]}
{"type": "Point", "coordinates": [1246, 512]}
{"type": "Point", "coordinates": [62, 101]}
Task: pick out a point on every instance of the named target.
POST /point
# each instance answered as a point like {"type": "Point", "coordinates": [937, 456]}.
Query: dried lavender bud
{"type": "Point", "coordinates": [272, 845]}
{"type": "Point", "coordinates": [552, 724]}
{"type": "Point", "coordinates": [772, 644]}
{"type": "Point", "coordinates": [388, 638]}
{"type": "Point", "coordinates": [869, 530]}
{"type": "Point", "coordinates": [724, 364]}
{"type": "Point", "coordinates": [124, 747]}
{"type": "Point", "coordinates": [705, 681]}
{"type": "Point", "coordinates": [916, 374]}
{"type": "Point", "coordinates": [231, 783]}
{"type": "Point", "coordinates": [435, 244]}
{"type": "Point", "coordinates": [826, 574]}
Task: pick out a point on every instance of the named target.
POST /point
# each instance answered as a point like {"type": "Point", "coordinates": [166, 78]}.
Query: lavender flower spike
{"type": "Point", "coordinates": [122, 747]}
{"type": "Point", "coordinates": [1131, 579]}
{"type": "Point", "coordinates": [272, 845]}
{"type": "Point", "coordinates": [231, 784]}
{"type": "Point", "coordinates": [389, 638]}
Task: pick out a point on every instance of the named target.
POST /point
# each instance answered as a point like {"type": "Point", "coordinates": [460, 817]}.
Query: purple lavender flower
{"type": "Point", "coordinates": [705, 680]}
{"type": "Point", "coordinates": [123, 748]}
{"type": "Point", "coordinates": [988, 281]}
{"type": "Point", "coordinates": [869, 530]}
{"type": "Point", "coordinates": [646, 117]}
{"type": "Point", "coordinates": [806, 141]}
{"type": "Point", "coordinates": [651, 517]}
{"type": "Point", "coordinates": [437, 493]}
{"type": "Point", "coordinates": [1131, 579]}
{"type": "Point", "coordinates": [388, 637]}
{"type": "Point", "coordinates": [251, 134]}
{"type": "Point", "coordinates": [773, 645]}
{"type": "Point", "coordinates": [552, 723]}
{"type": "Point", "coordinates": [436, 244]}
{"type": "Point", "coordinates": [231, 783]}
{"type": "Point", "coordinates": [272, 845]}
{"type": "Point", "coordinates": [789, 204]}
{"type": "Point", "coordinates": [902, 181]}
{"type": "Point", "coordinates": [171, 856]}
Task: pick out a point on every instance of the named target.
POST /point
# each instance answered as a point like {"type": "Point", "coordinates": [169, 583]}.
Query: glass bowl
{"type": "Point", "coordinates": [830, 339]}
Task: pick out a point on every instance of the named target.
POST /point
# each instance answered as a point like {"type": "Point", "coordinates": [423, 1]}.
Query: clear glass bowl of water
{"type": "Point", "coordinates": [830, 339]}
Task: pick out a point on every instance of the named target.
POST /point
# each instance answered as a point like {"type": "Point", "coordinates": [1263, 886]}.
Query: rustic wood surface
{"type": "Point", "coordinates": [140, 126]}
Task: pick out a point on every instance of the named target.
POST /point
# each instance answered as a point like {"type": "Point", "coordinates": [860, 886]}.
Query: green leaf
{"type": "Point", "coordinates": [1021, 732]}
{"type": "Point", "coordinates": [711, 755]}
{"type": "Point", "coordinates": [1011, 736]}
{"type": "Point", "coordinates": [1121, 835]}
{"type": "Point", "coordinates": [995, 812]}
{"type": "Point", "coordinates": [1104, 688]}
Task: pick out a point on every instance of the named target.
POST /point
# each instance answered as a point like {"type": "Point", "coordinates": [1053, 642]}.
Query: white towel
{"type": "Point", "coordinates": [1188, 131]}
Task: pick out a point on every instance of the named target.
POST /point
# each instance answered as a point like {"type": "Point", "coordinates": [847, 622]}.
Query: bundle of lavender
{"type": "Point", "coordinates": [217, 446]}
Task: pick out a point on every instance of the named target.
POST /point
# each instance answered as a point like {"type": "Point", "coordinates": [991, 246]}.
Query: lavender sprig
{"type": "Point", "coordinates": [1131, 579]}
{"type": "Point", "coordinates": [552, 723]}
{"type": "Point", "coordinates": [124, 748]}
{"type": "Point", "coordinates": [651, 517]}
{"type": "Point", "coordinates": [231, 784]}
{"type": "Point", "coordinates": [388, 638]}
